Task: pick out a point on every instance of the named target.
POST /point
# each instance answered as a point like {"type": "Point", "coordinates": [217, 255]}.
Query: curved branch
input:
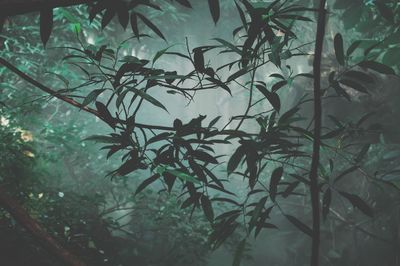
{"type": "Point", "coordinates": [66, 99]}
{"type": "Point", "coordinates": [38, 233]}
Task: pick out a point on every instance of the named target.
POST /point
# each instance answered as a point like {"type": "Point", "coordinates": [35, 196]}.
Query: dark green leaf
{"type": "Point", "coordinates": [239, 253]}
{"type": "Point", "coordinates": [207, 208]}
{"type": "Point", "coordinates": [353, 84]}
{"type": "Point", "coordinates": [134, 24]}
{"type": "Point", "coordinates": [326, 203]}
{"type": "Point", "coordinates": [185, 3]}
{"type": "Point", "coordinates": [359, 76]}
{"type": "Point", "coordinates": [123, 16]}
{"type": "Point", "coordinates": [364, 150]}
{"type": "Point", "coordinates": [339, 51]}
{"type": "Point", "coordinates": [198, 59]}
{"type": "Point", "coordinates": [300, 225]}
{"type": "Point", "coordinates": [346, 172]}
{"type": "Point", "coordinates": [151, 25]}
{"type": "Point", "coordinates": [92, 96]}
{"type": "Point", "coordinates": [381, 68]}
{"type": "Point", "coordinates": [229, 45]}
{"type": "Point", "coordinates": [353, 47]}
{"type": "Point", "coordinates": [272, 97]}
{"type": "Point", "coordinates": [214, 9]}
{"type": "Point", "coordinates": [256, 213]}
{"type": "Point", "coordinates": [340, 91]}
{"type": "Point", "coordinates": [107, 17]}
{"type": "Point", "coordinates": [148, 98]}
{"type": "Point", "coordinates": [235, 159]}
{"type": "Point", "coordinates": [278, 85]}
{"type": "Point", "coordinates": [273, 183]}
{"type": "Point", "coordinates": [159, 137]}
{"type": "Point", "coordinates": [46, 24]}
{"type": "Point", "coordinates": [203, 156]}
{"type": "Point", "coordinates": [385, 11]}
{"type": "Point", "coordinates": [357, 202]}
{"type": "Point", "coordinates": [147, 182]}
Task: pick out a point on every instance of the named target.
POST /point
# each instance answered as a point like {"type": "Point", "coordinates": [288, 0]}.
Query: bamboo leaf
{"type": "Point", "coordinates": [339, 51]}
{"type": "Point", "coordinates": [46, 24]}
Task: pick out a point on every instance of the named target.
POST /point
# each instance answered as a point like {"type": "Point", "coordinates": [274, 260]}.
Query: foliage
{"type": "Point", "coordinates": [270, 149]}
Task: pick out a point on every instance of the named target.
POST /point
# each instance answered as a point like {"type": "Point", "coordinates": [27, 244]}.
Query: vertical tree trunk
{"type": "Point", "coordinates": [314, 191]}
{"type": "Point", "coordinates": [37, 232]}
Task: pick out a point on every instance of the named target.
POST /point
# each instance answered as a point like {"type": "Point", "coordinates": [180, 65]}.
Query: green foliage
{"type": "Point", "coordinates": [196, 204]}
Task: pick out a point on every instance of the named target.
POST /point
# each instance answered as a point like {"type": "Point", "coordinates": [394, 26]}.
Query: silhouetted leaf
{"type": "Point", "coordinates": [46, 24]}
{"type": "Point", "coordinates": [107, 17]}
{"type": "Point", "coordinates": [364, 150]}
{"type": "Point", "coordinates": [92, 96]}
{"type": "Point", "coordinates": [237, 74]}
{"type": "Point", "coordinates": [239, 253]}
{"type": "Point", "coordinates": [169, 180]}
{"type": "Point", "coordinates": [170, 76]}
{"type": "Point", "coordinates": [235, 159]}
{"type": "Point", "coordinates": [214, 121]}
{"type": "Point", "coordinates": [381, 68]}
{"type": "Point", "coordinates": [357, 202]}
{"type": "Point", "coordinates": [214, 9]}
{"type": "Point", "coordinates": [159, 137]}
{"type": "Point", "coordinates": [272, 97]}
{"type": "Point", "coordinates": [220, 84]}
{"type": "Point", "coordinates": [360, 76]}
{"type": "Point", "coordinates": [229, 45]}
{"type": "Point", "coordinates": [326, 203]}
{"type": "Point", "coordinates": [385, 11]}
{"type": "Point", "coordinates": [278, 85]}
{"type": "Point", "coordinates": [123, 15]}
{"type": "Point", "coordinates": [355, 85]}
{"type": "Point", "coordinates": [300, 225]}
{"type": "Point", "coordinates": [256, 213]}
{"type": "Point", "coordinates": [160, 53]}
{"type": "Point", "coordinates": [207, 208]}
{"type": "Point", "coordinates": [274, 181]}
{"type": "Point", "coordinates": [286, 116]}
{"type": "Point", "coordinates": [346, 172]}
{"type": "Point", "coordinates": [185, 3]}
{"type": "Point", "coordinates": [340, 91]}
{"type": "Point", "coordinates": [151, 25]}
{"type": "Point", "coordinates": [333, 133]}
{"type": "Point", "coordinates": [2, 22]}
{"type": "Point", "coordinates": [134, 24]}
{"type": "Point", "coordinates": [183, 176]}
{"type": "Point", "coordinates": [148, 98]}
{"type": "Point", "coordinates": [105, 114]}
{"type": "Point", "coordinates": [203, 156]}
{"type": "Point", "coordinates": [339, 51]}
{"type": "Point", "coordinates": [353, 47]}
{"type": "Point", "coordinates": [198, 59]}
{"type": "Point", "coordinates": [147, 182]}
{"type": "Point", "coordinates": [289, 190]}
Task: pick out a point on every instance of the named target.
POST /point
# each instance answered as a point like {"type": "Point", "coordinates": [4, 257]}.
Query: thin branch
{"type": "Point", "coordinates": [68, 99]}
{"type": "Point", "coordinates": [38, 233]}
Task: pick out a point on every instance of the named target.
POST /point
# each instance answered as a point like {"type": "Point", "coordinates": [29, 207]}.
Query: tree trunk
{"type": "Point", "coordinates": [314, 190]}
{"type": "Point", "coordinates": [37, 232]}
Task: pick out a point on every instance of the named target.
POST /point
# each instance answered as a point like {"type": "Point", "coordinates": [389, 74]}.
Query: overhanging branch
{"type": "Point", "coordinates": [37, 232]}
{"type": "Point", "coordinates": [68, 99]}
